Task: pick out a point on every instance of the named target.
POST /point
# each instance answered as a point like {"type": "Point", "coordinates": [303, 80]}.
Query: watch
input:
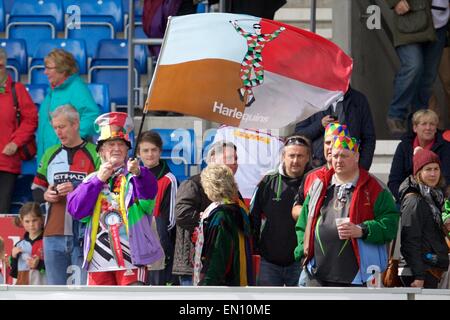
{"type": "Point", "coordinates": [364, 229]}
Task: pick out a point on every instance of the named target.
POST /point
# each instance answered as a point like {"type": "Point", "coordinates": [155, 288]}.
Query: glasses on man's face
{"type": "Point", "coordinates": [296, 141]}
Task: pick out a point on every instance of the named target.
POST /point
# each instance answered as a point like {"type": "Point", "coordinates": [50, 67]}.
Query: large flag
{"type": "Point", "coordinates": [245, 71]}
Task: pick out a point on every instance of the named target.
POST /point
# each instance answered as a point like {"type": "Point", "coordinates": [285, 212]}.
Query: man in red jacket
{"type": "Point", "coordinates": [13, 135]}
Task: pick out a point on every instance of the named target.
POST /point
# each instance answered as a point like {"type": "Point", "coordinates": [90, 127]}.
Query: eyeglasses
{"type": "Point", "coordinates": [296, 140]}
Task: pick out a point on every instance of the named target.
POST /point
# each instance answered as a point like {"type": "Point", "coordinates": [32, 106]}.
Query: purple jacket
{"type": "Point", "coordinates": [139, 201]}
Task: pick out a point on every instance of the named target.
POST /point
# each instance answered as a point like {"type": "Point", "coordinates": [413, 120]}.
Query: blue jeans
{"type": "Point", "coordinates": [413, 83]}
{"type": "Point", "coordinates": [271, 274]}
{"type": "Point", "coordinates": [60, 252]}
{"type": "Point", "coordinates": [185, 280]}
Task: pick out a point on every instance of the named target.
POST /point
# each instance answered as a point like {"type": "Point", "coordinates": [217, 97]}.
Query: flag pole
{"type": "Point", "coordinates": [150, 89]}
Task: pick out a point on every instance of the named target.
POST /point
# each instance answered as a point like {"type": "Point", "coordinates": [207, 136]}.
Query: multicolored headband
{"type": "Point", "coordinates": [347, 143]}
{"type": "Point", "coordinates": [336, 129]}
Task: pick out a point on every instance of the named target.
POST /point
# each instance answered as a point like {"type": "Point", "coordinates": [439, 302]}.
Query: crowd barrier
{"type": "Point", "coordinates": [217, 293]}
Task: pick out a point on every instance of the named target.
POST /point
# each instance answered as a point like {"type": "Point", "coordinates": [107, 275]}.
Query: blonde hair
{"type": "Point", "coordinates": [218, 182]}
{"type": "Point", "coordinates": [64, 61]}
{"type": "Point", "coordinates": [422, 113]}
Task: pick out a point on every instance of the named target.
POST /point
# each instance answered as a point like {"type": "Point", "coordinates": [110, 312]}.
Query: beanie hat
{"type": "Point", "coordinates": [422, 157]}
{"type": "Point", "coordinates": [112, 126]}
{"type": "Point", "coordinates": [336, 129]}
{"type": "Point", "coordinates": [347, 143]}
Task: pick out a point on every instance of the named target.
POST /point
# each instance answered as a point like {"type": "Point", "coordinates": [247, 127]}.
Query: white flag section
{"type": "Point", "coordinates": [258, 153]}
{"type": "Point", "coordinates": [246, 71]}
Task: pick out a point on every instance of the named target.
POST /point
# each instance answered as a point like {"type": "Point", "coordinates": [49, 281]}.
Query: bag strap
{"type": "Point", "coordinates": [15, 101]}
{"type": "Point", "coordinates": [394, 252]}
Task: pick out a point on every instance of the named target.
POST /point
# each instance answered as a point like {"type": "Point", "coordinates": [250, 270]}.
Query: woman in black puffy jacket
{"type": "Point", "coordinates": [423, 242]}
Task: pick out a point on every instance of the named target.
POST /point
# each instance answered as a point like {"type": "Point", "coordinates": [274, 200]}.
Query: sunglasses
{"type": "Point", "coordinates": [296, 141]}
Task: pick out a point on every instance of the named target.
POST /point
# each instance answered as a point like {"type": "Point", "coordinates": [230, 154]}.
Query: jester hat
{"type": "Point", "coordinates": [112, 126]}
{"type": "Point", "coordinates": [336, 129]}
{"type": "Point", "coordinates": [346, 142]}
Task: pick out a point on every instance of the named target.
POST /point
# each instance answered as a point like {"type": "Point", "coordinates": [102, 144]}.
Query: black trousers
{"type": "Point", "coordinates": [7, 182]}
{"type": "Point", "coordinates": [430, 282]}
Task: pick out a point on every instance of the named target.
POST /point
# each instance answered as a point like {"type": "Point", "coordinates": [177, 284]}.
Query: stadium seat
{"type": "Point", "coordinates": [33, 20]}
{"type": "Point", "coordinates": [99, 20]}
{"type": "Point", "coordinates": [178, 150]}
{"type": "Point", "coordinates": [22, 192]}
{"type": "Point", "coordinates": [2, 16]}
{"type": "Point", "coordinates": [138, 11]}
{"type": "Point", "coordinates": [110, 65]}
{"type": "Point", "coordinates": [8, 6]}
{"type": "Point", "coordinates": [117, 49]}
{"type": "Point", "coordinates": [100, 93]}
{"type": "Point", "coordinates": [37, 93]}
{"type": "Point", "coordinates": [138, 31]}
{"type": "Point", "coordinates": [17, 54]}
{"type": "Point", "coordinates": [75, 46]}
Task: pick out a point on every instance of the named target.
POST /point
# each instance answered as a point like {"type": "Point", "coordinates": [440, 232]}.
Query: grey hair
{"type": "Point", "coordinates": [68, 111]}
{"type": "Point", "coordinates": [3, 54]}
{"type": "Point", "coordinates": [218, 148]}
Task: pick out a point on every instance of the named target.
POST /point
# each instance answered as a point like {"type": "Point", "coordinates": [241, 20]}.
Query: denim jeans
{"type": "Point", "coordinates": [185, 280]}
{"type": "Point", "coordinates": [271, 274]}
{"type": "Point", "coordinates": [60, 252]}
{"type": "Point", "coordinates": [413, 83]}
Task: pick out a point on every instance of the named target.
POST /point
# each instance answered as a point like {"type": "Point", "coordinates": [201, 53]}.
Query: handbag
{"type": "Point", "coordinates": [391, 278]}
{"type": "Point", "coordinates": [29, 149]}
{"type": "Point", "coordinates": [416, 19]}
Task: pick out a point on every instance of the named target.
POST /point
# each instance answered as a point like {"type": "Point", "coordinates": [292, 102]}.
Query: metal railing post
{"type": "Point", "coordinates": [313, 16]}
{"type": "Point", "coordinates": [130, 37]}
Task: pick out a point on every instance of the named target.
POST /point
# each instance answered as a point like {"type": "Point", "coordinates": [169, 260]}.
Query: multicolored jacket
{"type": "Point", "coordinates": [226, 251]}
{"type": "Point", "coordinates": [137, 197]}
{"type": "Point", "coordinates": [371, 204]}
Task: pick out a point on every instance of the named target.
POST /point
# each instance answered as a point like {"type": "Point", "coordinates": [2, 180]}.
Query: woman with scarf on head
{"type": "Point", "coordinates": [423, 242]}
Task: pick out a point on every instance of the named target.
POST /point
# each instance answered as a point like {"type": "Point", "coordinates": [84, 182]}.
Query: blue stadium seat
{"type": "Point", "coordinates": [100, 11]}
{"type": "Point", "coordinates": [8, 5]}
{"type": "Point", "coordinates": [37, 65]}
{"type": "Point", "coordinates": [16, 51]}
{"type": "Point", "coordinates": [138, 11]}
{"type": "Point", "coordinates": [100, 93]}
{"type": "Point", "coordinates": [22, 192]}
{"type": "Point", "coordinates": [178, 150]}
{"type": "Point", "coordinates": [37, 93]}
{"type": "Point", "coordinates": [2, 16]}
{"type": "Point", "coordinates": [34, 20]}
{"type": "Point", "coordinates": [117, 49]}
{"type": "Point", "coordinates": [110, 65]}
{"type": "Point", "coordinates": [100, 19]}
{"type": "Point", "coordinates": [138, 31]}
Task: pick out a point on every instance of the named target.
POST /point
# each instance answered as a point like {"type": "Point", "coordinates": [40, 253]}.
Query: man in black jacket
{"type": "Point", "coordinates": [190, 202]}
{"type": "Point", "coordinates": [273, 199]}
{"type": "Point", "coordinates": [353, 111]}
